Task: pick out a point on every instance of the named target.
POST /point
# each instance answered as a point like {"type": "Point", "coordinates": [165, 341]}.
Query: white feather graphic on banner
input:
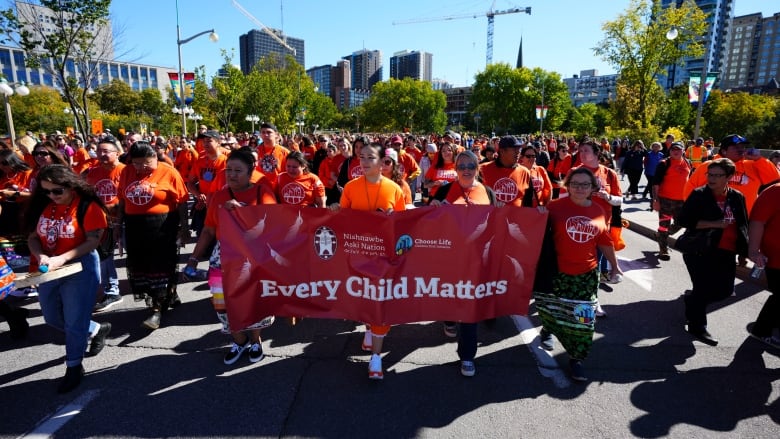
{"type": "Point", "coordinates": [295, 228]}
{"type": "Point", "coordinates": [277, 257]}
{"type": "Point", "coordinates": [245, 274]}
{"type": "Point", "coordinates": [257, 230]}
{"type": "Point", "coordinates": [518, 268]}
{"type": "Point", "coordinates": [514, 231]}
{"type": "Point", "coordinates": [479, 230]}
{"type": "Point", "coordinates": [486, 252]}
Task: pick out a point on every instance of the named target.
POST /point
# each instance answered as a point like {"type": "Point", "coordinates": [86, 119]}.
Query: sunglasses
{"type": "Point", "coordinates": [40, 153]}
{"type": "Point", "coordinates": [387, 162]}
{"type": "Point", "coordinates": [55, 191]}
{"type": "Point", "coordinates": [468, 167]}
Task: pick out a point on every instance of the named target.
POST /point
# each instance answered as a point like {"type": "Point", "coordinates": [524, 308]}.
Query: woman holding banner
{"type": "Point", "coordinates": [465, 191]}
{"type": "Point", "coordinates": [373, 192]}
{"type": "Point", "coordinates": [579, 228]}
{"type": "Point", "coordinates": [443, 170]}
{"type": "Point", "coordinates": [66, 220]}
{"type": "Point", "coordinates": [240, 191]}
{"type": "Point", "coordinates": [298, 186]}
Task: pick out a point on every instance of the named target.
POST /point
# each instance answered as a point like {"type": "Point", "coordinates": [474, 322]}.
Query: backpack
{"type": "Point", "coordinates": [107, 242]}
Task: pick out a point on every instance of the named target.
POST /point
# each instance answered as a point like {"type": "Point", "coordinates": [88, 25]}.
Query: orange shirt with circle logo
{"type": "Point", "coordinates": [577, 232]}
{"type": "Point", "coordinates": [58, 229]}
{"type": "Point", "coordinates": [106, 181]}
{"type": "Point", "coordinates": [302, 191]}
{"type": "Point", "coordinates": [509, 184]}
{"type": "Point", "coordinates": [206, 170]}
{"type": "Point", "coordinates": [160, 192]}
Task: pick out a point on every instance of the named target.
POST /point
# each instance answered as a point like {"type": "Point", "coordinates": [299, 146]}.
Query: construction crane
{"type": "Point", "coordinates": [490, 14]}
{"type": "Point", "coordinates": [262, 27]}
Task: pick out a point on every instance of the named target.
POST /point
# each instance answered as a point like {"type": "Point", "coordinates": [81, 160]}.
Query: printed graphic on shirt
{"type": "Point", "coordinates": [581, 229]}
{"type": "Point", "coordinates": [506, 190]}
{"type": "Point", "coordinates": [293, 193]}
{"type": "Point", "coordinates": [739, 178]}
{"type": "Point", "coordinates": [268, 163]}
{"type": "Point", "coordinates": [538, 183]}
{"type": "Point", "coordinates": [728, 214]}
{"type": "Point", "coordinates": [139, 192]}
{"type": "Point", "coordinates": [54, 229]}
{"type": "Point", "coordinates": [106, 190]}
{"type": "Point", "coordinates": [355, 172]}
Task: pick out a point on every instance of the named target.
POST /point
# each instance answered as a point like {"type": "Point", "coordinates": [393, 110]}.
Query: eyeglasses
{"type": "Point", "coordinates": [387, 162]}
{"type": "Point", "coordinates": [55, 191]}
{"type": "Point", "coordinates": [530, 156]}
{"type": "Point", "coordinates": [467, 167]}
{"type": "Point", "coordinates": [711, 175]}
{"type": "Point", "coordinates": [580, 185]}
{"type": "Point", "coordinates": [40, 153]}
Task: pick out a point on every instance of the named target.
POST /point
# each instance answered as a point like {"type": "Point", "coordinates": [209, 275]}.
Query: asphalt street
{"type": "Point", "coordinates": [648, 378]}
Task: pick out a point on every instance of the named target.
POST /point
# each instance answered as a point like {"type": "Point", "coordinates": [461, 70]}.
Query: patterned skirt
{"type": "Point", "coordinates": [152, 254]}
{"type": "Point", "coordinates": [570, 311]}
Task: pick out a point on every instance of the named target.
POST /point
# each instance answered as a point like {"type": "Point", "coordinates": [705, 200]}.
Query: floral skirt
{"type": "Point", "coordinates": [570, 311]}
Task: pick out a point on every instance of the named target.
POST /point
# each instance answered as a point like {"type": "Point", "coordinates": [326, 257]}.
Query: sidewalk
{"type": "Point", "coordinates": [644, 221]}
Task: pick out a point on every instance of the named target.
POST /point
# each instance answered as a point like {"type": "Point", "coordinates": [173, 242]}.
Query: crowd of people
{"type": "Point", "coordinates": [71, 200]}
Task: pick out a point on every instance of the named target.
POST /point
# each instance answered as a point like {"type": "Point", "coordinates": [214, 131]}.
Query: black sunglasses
{"type": "Point", "coordinates": [387, 162]}
{"type": "Point", "coordinates": [40, 153]}
{"type": "Point", "coordinates": [55, 191]}
{"type": "Point", "coordinates": [470, 167]}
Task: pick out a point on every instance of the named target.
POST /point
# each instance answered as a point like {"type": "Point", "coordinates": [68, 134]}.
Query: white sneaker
{"type": "Point", "coordinates": [368, 341]}
{"type": "Point", "coordinates": [375, 368]}
{"type": "Point", "coordinates": [600, 311]}
{"type": "Point", "coordinates": [467, 368]}
{"type": "Point", "coordinates": [616, 279]}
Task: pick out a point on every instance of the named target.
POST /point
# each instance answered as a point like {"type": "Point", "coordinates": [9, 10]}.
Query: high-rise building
{"type": "Point", "coordinates": [366, 68]}
{"type": "Point", "coordinates": [590, 87]}
{"type": "Point", "coordinates": [321, 77]}
{"type": "Point", "coordinates": [257, 44]}
{"type": "Point", "coordinates": [415, 65]}
{"type": "Point", "coordinates": [753, 53]}
{"type": "Point", "coordinates": [719, 16]}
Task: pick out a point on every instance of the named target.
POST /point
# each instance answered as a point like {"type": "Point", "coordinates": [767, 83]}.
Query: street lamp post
{"type": "Point", "coordinates": [6, 91]}
{"type": "Point", "coordinates": [179, 41]}
{"type": "Point", "coordinates": [197, 118]}
{"type": "Point", "coordinates": [254, 119]}
{"type": "Point", "coordinates": [543, 113]}
{"type": "Point", "coordinates": [477, 118]}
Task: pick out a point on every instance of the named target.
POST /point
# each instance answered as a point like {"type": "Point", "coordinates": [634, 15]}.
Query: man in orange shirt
{"type": "Point", "coordinates": [271, 158]}
{"type": "Point", "coordinates": [668, 184]}
{"type": "Point", "coordinates": [747, 179]}
{"type": "Point", "coordinates": [505, 176]}
{"type": "Point", "coordinates": [200, 182]}
{"type": "Point", "coordinates": [698, 153]}
{"type": "Point", "coordinates": [186, 156]}
{"type": "Point", "coordinates": [105, 179]}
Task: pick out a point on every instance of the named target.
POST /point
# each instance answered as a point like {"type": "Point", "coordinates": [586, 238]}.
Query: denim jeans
{"type": "Point", "coordinates": [67, 305]}
{"type": "Point", "coordinates": [108, 276]}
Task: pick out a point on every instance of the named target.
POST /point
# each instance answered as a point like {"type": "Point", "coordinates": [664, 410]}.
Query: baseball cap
{"type": "Point", "coordinates": [733, 139]}
{"type": "Point", "coordinates": [396, 139]}
{"type": "Point", "coordinates": [214, 134]}
{"type": "Point", "coordinates": [509, 142]}
{"type": "Point", "coordinates": [677, 145]}
{"type": "Point", "coordinates": [699, 140]}
{"type": "Point", "coordinates": [431, 148]}
{"type": "Point", "coordinates": [390, 152]}
{"type": "Point", "coordinates": [268, 125]}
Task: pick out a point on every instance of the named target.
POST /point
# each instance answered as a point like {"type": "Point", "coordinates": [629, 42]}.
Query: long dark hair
{"type": "Point", "coordinates": [61, 175]}
{"type": "Point", "coordinates": [54, 152]}
{"type": "Point", "coordinates": [395, 174]}
{"type": "Point", "coordinates": [13, 161]}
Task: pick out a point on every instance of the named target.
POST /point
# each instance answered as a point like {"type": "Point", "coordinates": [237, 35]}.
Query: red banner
{"type": "Point", "coordinates": [445, 263]}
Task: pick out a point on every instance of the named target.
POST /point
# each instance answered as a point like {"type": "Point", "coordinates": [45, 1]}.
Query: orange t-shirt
{"type": "Point", "coordinates": [185, 160]}
{"type": "Point", "coordinates": [329, 170]}
{"type": "Point", "coordinates": [257, 194]}
{"type": "Point", "coordinates": [160, 192]}
{"type": "Point", "coordinates": [608, 180]}
{"type": "Point", "coordinates": [416, 154]}
{"type": "Point", "coordinates": [407, 192]}
{"type": "Point", "coordinates": [542, 186]}
{"type": "Point", "coordinates": [577, 233]}
{"type": "Point", "coordinates": [308, 152]}
{"type": "Point", "coordinates": [476, 195]}
{"type": "Point", "coordinates": [559, 167]}
{"type": "Point", "coordinates": [106, 181]}
{"type": "Point", "coordinates": [673, 185]}
{"type": "Point", "coordinates": [767, 210]}
{"type": "Point", "coordinates": [271, 162]}
{"type": "Point", "coordinates": [354, 170]}
{"type": "Point", "coordinates": [19, 181]}
{"type": "Point", "coordinates": [205, 171]}
{"type": "Point", "coordinates": [58, 229]}
{"type": "Point", "coordinates": [81, 160]}
{"type": "Point", "coordinates": [509, 184]}
{"type": "Point", "coordinates": [359, 194]}
{"type": "Point", "coordinates": [221, 181]}
{"type": "Point", "coordinates": [302, 191]}
{"type": "Point", "coordinates": [446, 173]}
{"type": "Point", "coordinates": [407, 165]}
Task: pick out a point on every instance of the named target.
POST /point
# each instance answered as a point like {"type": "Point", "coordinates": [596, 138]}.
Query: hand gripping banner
{"type": "Point", "coordinates": [447, 263]}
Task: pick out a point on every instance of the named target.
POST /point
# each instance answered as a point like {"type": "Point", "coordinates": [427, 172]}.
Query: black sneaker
{"type": "Point", "coordinates": [99, 340]}
{"type": "Point", "coordinates": [18, 323]}
{"type": "Point", "coordinates": [153, 321]}
{"type": "Point", "coordinates": [71, 380]}
{"type": "Point", "coordinates": [256, 352]}
{"type": "Point", "coordinates": [235, 352]}
{"type": "Point", "coordinates": [108, 301]}
{"type": "Point", "coordinates": [577, 371]}
{"type": "Point", "coordinates": [546, 340]}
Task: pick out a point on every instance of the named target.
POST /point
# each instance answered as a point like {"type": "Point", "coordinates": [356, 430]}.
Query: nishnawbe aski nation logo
{"type": "Point", "coordinates": [325, 243]}
{"type": "Point", "coordinates": [404, 244]}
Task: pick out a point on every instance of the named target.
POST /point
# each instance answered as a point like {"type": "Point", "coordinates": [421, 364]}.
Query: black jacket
{"type": "Point", "coordinates": [701, 205]}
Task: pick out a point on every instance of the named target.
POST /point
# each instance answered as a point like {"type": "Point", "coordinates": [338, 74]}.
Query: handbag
{"type": "Point", "coordinates": [695, 241]}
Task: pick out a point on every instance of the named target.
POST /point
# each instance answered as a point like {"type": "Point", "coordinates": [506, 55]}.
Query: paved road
{"type": "Point", "coordinates": [647, 377]}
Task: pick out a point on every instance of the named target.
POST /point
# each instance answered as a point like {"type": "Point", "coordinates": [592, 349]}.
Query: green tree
{"type": "Point", "coordinates": [766, 134]}
{"type": "Point", "coordinates": [584, 120]}
{"type": "Point", "coordinates": [40, 111]}
{"type": "Point", "coordinates": [64, 45]}
{"type": "Point", "coordinates": [677, 112]}
{"type": "Point", "coordinates": [737, 112]}
{"type": "Point", "coordinates": [117, 98]}
{"type": "Point", "coordinates": [635, 44]}
{"type": "Point", "coordinates": [404, 104]}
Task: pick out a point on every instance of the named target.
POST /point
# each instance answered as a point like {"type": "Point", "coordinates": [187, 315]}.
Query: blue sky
{"type": "Point", "coordinates": [558, 36]}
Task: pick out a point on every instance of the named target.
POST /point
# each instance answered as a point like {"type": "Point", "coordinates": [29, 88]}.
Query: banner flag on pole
{"type": "Point", "coordinates": [693, 88]}
{"type": "Point", "coordinates": [189, 87]}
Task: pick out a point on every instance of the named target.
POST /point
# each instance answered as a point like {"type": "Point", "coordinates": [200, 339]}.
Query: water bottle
{"type": "Point", "coordinates": [755, 273]}
{"type": "Point", "coordinates": [190, 272]}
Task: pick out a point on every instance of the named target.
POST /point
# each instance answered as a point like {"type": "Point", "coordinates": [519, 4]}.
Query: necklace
{"type": "Point", "coordinates": [466, 194]}
{"type": "Point", "coordinates": [55, 223]}
{"type": "Point", "coordinates": [378, 192]}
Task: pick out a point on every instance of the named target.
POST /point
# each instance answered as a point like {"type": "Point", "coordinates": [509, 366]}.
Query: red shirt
{"type": "Point", "coordinates": [106, 181]}
{"type": "Point", "coordinates": [58, 229]}
{"type": "Point", "coordinates": [767, 210]}
{"type": "Point", "coordinates": [509, 184]}
{"type": "Point", "coordinates": [577, 233]}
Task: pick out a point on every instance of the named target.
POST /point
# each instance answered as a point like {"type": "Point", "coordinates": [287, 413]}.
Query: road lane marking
{"type": "Point", "coordinates": [48, 426]}
{"type": "Point", "coordinates": [548, 367]}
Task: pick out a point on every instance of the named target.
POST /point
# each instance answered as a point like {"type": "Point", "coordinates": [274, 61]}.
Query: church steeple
{"type": "Point", "coordinates": [520, 54]}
